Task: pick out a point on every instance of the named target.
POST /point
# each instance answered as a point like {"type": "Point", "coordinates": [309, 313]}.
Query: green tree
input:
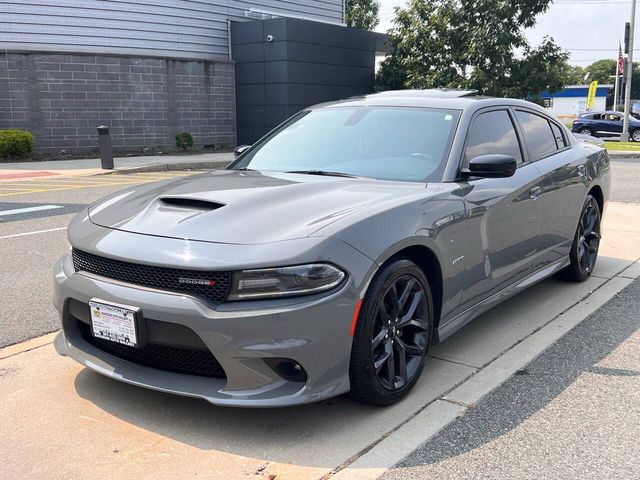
{"type": "Point", "coordinates": [477, 44]}
{"type": "Point", "coordinates": [601, 71]}
{"type": "Point", "coordinates": [575, 75]}
{"type": "Point", "coordinates": [362, 14]}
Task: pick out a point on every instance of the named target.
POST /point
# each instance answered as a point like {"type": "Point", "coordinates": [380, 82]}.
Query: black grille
{"type": "Point", "coordinates": [155, 277]}
{"type": "Point", "coordinates": [163, 357]}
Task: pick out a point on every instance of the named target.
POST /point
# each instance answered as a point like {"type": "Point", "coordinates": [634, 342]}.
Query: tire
{"type": "Point", "coordinates": [586, 131]}
{"type": "Point", "coordinates": [584, 250]}
{"type": "Point", "coordinates": [376, 372]}
{"type": "Point", "coordinates": [635, 135]}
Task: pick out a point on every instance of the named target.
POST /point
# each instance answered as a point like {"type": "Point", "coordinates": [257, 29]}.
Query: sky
{"type": "Point", "coordinates": [588, 29]}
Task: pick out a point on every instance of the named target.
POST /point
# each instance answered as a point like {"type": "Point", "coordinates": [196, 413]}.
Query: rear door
{"type": "Point", "coordinates": [564, 185]}
{"type": "Point", "coordinates": [503, 222]}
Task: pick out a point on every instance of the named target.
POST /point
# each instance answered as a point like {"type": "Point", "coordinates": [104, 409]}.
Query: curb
{"type": "Point", "coordinates": [613, 154]}
{"type": "Point", "coordinates": [166, 167]}
{"type": "Point", "coordinates": [27, 345]}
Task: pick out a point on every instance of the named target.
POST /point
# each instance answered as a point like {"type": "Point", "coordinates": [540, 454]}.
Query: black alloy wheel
{"type": "Point", "coordinates": [588, 236]}
{"type": "Point", "coordinates": [393, 334]}
{"type": "Point", "coordinates": [586, 243]}
{"type": "Point", "coordinates": [399, 339]}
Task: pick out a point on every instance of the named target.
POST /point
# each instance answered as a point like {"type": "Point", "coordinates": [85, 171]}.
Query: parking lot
{"type": "Point", "coordinates": [52, 408]}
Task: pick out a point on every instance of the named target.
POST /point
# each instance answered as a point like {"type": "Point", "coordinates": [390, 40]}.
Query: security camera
{"type": "Point", "coordinates": [269, 38]}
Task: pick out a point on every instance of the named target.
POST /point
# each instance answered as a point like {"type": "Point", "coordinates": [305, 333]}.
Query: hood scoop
{"type": "Point", "coordinates": [186, 203]}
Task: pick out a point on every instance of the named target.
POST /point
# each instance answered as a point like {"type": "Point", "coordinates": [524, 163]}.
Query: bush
{"type": "Point", "coordinates": [15, 142]}
{"type": "Point", "coordinates": [184, 141]}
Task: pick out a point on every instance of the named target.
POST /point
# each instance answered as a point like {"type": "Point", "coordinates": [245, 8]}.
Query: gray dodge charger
{"type": "Point", "coordinates": [333, 252]}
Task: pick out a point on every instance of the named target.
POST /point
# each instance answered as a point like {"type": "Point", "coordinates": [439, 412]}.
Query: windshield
{"type": "Point", "coordinates": [390, 143]}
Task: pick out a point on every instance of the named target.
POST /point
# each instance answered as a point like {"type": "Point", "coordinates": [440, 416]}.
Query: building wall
{"type": "Point", "coordinates": [169, 28]}
{"type": "Point", "coordinates": [284, 65]}
{"type": "Point", "coordinates": [571, 106]}
{"type": "Point", "coordinates": [146, 68]}
{"type": "Point", "coordinates": [62, 98]}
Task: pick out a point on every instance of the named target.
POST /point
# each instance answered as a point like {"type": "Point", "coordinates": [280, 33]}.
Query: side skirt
{"type": "Point", "coordinates": [460, 320]}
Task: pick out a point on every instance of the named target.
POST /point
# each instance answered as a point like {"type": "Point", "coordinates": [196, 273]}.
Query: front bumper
{"type": "Point", "coordinates": [313, 331]}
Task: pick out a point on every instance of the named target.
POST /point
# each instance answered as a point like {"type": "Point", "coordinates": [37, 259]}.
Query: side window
{"type": "Point", "coordinates": [490, 133]}
{"type": "Point", "coordinates": [561, 140]}
{"type": "Point", "coordinates": [538, 135]}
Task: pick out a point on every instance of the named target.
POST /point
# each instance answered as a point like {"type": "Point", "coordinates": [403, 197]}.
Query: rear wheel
{"type": "Point", "coordinates": [635, 135]}
{"type": "Point", "coordinates": [584, 251]}
{"type": "Point", "coordinates": [393, 334]}
{"type": "Point", "coordinates": [586, 131]}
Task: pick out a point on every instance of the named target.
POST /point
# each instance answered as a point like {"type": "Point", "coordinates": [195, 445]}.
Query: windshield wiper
{"type": "Point", "coordinates": [324, 172]}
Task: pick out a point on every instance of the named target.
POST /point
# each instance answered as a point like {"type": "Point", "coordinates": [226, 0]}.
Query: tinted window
{"type": "Point", "coordinates": [561, 140]}
{"type": "Point", "coordinates": [390, 143]}
{"type": "Point", "coordinates": [538, 135]}
{"type": "Point", "coordinates": [492, 133]}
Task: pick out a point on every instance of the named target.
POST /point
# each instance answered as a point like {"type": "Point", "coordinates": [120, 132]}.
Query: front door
{"type": "Point", "coordinates": [503, 219]}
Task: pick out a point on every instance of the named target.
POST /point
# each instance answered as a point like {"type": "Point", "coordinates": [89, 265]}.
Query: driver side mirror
{"type": "Point", "coordinates": [240, 149]}
{"type": "Point", "coordinates": [491, 166]}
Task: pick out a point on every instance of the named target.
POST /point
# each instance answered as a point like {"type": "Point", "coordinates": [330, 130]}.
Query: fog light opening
{"type": "Point", "coordinates": [288, 369]}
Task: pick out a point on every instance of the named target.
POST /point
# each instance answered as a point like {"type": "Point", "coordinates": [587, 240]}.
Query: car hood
{"type": "Point", "coordinates": [242, 207]}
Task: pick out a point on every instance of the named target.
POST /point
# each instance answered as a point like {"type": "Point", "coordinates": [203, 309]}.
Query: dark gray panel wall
{"type": "Point", "coordinates": [305, 63]}
{"type": "Point", "coordinates": [62, 98]}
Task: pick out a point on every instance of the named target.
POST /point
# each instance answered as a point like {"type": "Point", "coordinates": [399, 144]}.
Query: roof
{"type": "Point", "coordinates": [445, 99]}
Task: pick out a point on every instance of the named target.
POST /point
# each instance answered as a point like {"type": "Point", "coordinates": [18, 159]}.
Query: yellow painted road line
{"type": "Point", "coordinates": [58, 189]}
{"type": "Point", "coordinates": [20, 193]}
{"type": "Point", "coordinates": [43, 184]}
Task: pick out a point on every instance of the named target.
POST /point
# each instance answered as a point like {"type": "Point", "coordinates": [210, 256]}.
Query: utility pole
{"type": "Point", "coordinates": [627, 90]}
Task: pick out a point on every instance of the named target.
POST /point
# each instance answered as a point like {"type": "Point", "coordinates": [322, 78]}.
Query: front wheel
{"type": "Point", "coordinates": [392, 335]}
{"type": "Point", "coordinates": [584, 251]}
{"type": "Point", "coordinates": [635, 135]}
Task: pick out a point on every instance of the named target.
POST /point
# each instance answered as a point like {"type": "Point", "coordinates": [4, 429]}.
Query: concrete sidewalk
{"type": "Point", "coordinates": [91, 166]}
{"type": "Point", "coordinates": [60, 420]}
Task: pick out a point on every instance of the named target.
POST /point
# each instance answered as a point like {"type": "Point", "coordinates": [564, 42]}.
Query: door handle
{"type": "Point", "coordinates": [535, 192]}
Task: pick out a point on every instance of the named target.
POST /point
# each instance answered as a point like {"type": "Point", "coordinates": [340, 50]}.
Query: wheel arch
{"type": "Point", "coordinates": [427, 259]}
{"type": "Point", "coordinates": [598, 194]}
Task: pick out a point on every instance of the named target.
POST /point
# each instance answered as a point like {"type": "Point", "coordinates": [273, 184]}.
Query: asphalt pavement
{"type": "Point", "coordinates": [570, 414]}
{"type": "Point", "coordinates": [34, 214]}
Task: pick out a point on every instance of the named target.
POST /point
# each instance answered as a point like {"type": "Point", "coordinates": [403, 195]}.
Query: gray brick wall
{"type": "Point", "coordinates": [62, 98]}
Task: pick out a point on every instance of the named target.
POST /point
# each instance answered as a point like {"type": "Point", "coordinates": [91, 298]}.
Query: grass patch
{"type": "Point", "coordinates": [623, 146]}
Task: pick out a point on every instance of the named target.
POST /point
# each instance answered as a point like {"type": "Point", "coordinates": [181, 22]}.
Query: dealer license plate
{"type": "Point", "coordinates": [116, 323]}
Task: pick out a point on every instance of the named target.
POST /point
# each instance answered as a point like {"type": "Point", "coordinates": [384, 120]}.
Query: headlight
{"type": "Point", "coordinates": [285, 281]}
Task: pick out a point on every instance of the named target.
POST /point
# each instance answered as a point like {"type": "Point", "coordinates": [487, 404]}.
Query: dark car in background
{"type": "Point", "coordinates": [605, 124]}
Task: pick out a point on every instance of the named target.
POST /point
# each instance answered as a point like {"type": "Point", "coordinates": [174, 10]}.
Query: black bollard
{"type": "Point", "coordinates": [106, 150]}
